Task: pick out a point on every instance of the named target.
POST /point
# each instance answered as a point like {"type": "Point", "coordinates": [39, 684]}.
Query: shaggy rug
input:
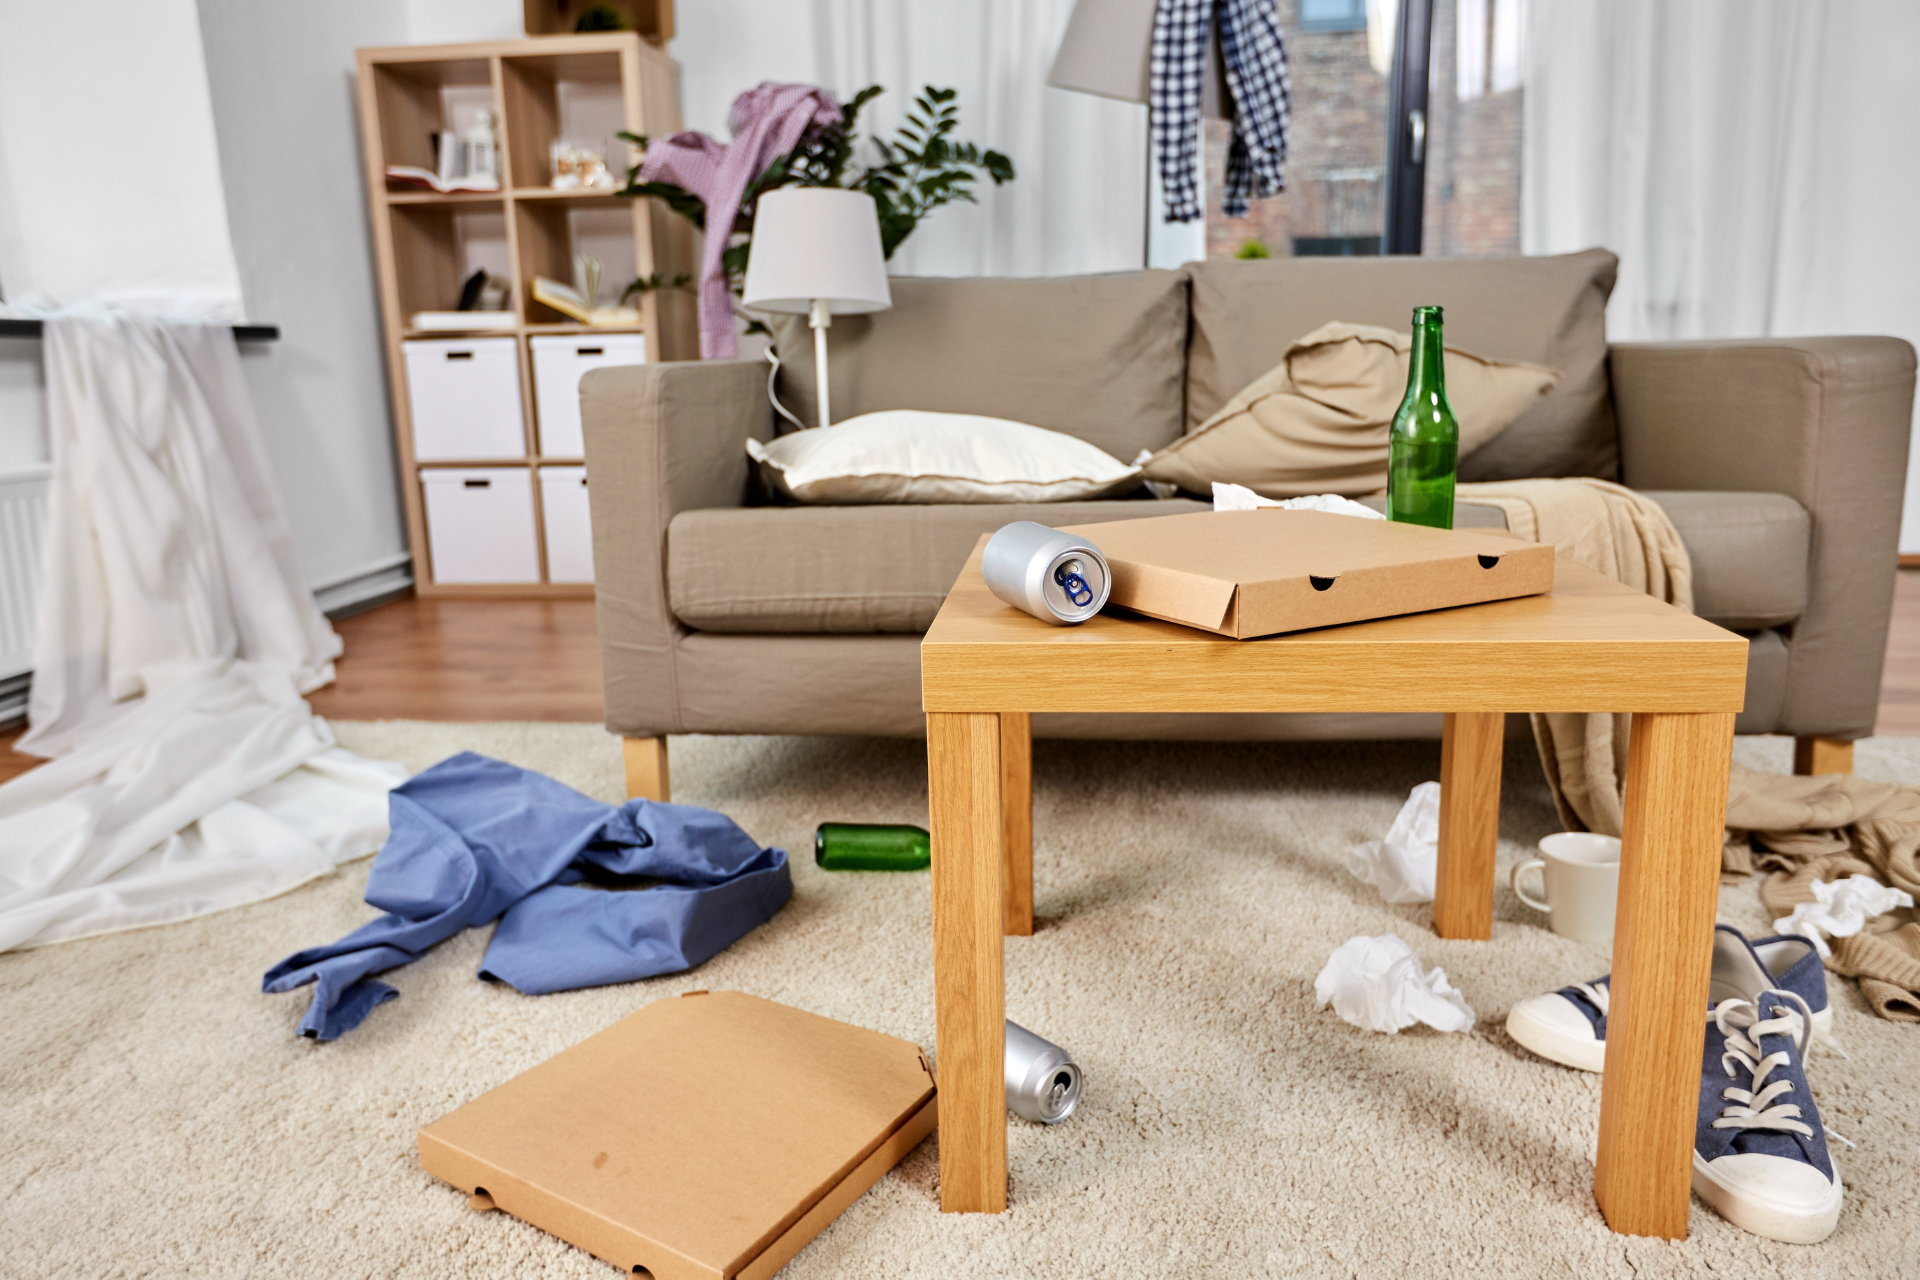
{"type": "Point", "coordinates": [162, 1118]}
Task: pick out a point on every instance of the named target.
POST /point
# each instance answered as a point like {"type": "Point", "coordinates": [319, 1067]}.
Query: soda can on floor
{"type": "Point", "coordinates": [1054, 576]}
{"type": "Point", "coordinates": [1043, 1080]}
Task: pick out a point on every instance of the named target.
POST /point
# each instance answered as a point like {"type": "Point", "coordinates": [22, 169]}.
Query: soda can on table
{"type": "Point", "coordinates": [1043, 1080]}
{"type": "Point", "coordinates": [1054, 576]}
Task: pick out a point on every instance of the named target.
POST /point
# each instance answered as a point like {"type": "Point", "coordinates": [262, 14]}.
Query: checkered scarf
{"type": "Point", "coordinates": [1256, 64]}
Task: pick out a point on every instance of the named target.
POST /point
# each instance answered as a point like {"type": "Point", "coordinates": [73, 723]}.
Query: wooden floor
{"type": "Point", "coordinates": [540, 660]}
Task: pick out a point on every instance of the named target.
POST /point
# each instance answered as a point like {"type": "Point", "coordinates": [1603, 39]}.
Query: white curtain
{"type": "Point", "coordinates": [175, 640]}
{"type": "Point", "coordinates": [1755, 164]}
{"type": "Point", "coordinates": [1078, 202]}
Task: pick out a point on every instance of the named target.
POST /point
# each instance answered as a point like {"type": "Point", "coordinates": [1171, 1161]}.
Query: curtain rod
{"type": "Point", "coordinates": [241, 332]}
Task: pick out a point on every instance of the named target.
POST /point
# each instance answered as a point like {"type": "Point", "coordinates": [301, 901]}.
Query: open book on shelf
{"type": "Point", "coordinates": [570, 302]}
{"type": "Point", "coordinates": [407, 175]}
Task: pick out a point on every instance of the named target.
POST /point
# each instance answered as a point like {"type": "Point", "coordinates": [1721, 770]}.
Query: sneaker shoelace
{"type": "Point", "coordinates": [1594, 994]}
{"type": "Point", "coordinates": [1744, 1026]}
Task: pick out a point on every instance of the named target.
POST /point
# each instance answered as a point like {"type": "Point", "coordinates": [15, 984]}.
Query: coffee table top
{"type": "Point", "coordinates": [1589, 645]}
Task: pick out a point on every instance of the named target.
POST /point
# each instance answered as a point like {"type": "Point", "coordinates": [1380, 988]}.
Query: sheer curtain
{"type": "Point", "coordinates": [1078, 202]}
{"type": "Point", "coordinates": [1753, 162]}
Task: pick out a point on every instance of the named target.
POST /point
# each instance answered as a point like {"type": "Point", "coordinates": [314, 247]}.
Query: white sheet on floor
{"type": "Point", "coordinates": [176, 636]}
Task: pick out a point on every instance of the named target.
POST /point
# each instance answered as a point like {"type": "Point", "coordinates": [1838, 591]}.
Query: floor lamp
{"type": "Point", "coordinates": [816, 253]}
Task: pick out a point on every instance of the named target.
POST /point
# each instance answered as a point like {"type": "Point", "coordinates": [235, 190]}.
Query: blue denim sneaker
{"type": "Point", "coordinates": [1569, 1026]}
{"type": "Point", "coordinates": [1759, 1151]}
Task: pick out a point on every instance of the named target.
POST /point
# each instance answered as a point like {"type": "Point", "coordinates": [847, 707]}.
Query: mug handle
{"type": "Point", "coordinates": [1514, 881]}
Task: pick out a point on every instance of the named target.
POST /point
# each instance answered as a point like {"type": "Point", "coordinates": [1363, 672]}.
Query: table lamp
{"type": "Point", "coordinates": [816, 252]}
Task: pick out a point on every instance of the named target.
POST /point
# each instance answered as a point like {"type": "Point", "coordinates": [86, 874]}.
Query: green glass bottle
{"type": "Point", "coordinates": [1423, 447]}
{"type": "Point", "coordinates": [866, 846]}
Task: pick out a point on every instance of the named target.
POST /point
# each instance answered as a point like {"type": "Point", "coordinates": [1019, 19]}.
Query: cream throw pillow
{"type": "Point", "coordinates": [915, 456]}
{"type": "Point", "coordinates": [1317, 422]}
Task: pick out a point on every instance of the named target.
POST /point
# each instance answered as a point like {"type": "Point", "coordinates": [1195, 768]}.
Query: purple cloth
{"type": "Point", "coordinates": [767, 122]}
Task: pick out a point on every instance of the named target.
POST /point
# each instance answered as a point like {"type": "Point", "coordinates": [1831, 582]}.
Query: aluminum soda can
{"type": "Point", "coordinates": [1043, 1080]}
{"type": "Point", "coordinates": [1054, 576]}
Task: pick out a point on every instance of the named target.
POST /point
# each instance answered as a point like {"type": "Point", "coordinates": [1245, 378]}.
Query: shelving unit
{"type": "Point", "coordinates": [426, 244]}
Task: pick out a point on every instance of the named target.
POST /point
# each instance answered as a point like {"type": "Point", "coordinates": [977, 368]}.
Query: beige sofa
{"type": "Point", "coordinates": [1781, 461]}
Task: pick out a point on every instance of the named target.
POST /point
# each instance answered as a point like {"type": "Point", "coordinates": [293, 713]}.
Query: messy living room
{"type": "Point", "coordinates": [709, 639]}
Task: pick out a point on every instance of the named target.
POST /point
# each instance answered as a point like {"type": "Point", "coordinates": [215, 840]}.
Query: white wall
{"type": "Point", "coordinates": [281, 79]}
{"type": "Point", "coordinates": [111, 182]}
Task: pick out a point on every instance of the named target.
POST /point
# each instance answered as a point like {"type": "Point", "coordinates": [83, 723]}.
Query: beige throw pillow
{"type": "Point", "coordinates": [1317, 422]}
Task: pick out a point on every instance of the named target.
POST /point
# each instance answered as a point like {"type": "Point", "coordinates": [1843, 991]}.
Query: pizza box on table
{"type": "Point", "coordinates": [1256, 573]}
{"type": "Point", "coordinates": [705, 1137]}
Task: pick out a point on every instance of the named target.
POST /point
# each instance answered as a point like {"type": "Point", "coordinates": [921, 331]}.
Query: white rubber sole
{"type": "Point", "coordinates": [1789, 1224]}
{"type": "Point", "coordinates": [1555, 1045]}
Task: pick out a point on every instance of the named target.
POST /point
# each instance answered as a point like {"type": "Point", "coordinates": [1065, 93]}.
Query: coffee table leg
{"type": "Point", "coordinates": [1676, 810]}
{"type": "Point", "coordinates": [969, 992]}
{"type": "Point", "coordinates": [1016, 819]}
{"type": "Point", "coordinates": [1469, 823]}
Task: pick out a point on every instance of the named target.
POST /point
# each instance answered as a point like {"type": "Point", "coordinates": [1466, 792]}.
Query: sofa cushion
{"type": "Point", "coordinates": [1100, 357]}
{"type": "Point", "coordinates": [1547, 311]}
{"type": "Point", "coordinates": [1750, 553]}
{"type": "Point", "coordinates": [1318, 421]}
{"type": "Point", "coordinates": [807, 570]}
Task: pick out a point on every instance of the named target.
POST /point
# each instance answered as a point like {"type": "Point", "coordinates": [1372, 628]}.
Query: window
{"type": "Point", "coordinates": [1333, 15]}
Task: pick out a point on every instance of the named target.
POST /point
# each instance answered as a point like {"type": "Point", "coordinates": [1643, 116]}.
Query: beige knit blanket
{"type": "Point", "coordinates": [1801, 829]}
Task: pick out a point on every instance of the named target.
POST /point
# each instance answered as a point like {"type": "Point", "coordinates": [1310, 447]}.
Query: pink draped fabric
{"type": "Point", "coordinates": [767, 122]}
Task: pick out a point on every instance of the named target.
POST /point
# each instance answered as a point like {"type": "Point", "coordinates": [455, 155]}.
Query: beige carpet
{"type": "Point", "coordinates": [161, 1118]}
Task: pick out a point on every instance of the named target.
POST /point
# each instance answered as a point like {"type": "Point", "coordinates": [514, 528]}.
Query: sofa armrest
{"type": "Point", "coordinates": [1825, 421]}
{"type": "Point", "coordinates": [660, 439]}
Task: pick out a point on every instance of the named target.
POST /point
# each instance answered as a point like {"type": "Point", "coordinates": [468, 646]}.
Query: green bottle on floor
{"type": "Point", "coordinates": [865, 846]}
{"type": "Point", "coordinates": [1423, 447]}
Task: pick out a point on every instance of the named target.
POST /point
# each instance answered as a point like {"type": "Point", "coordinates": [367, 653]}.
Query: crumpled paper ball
{"type": "Point", "coordinates": [1841, 908]}
{"type": "Point", "coordinates": [1377, 984]}
{"type": "Point", "coordinates": [1403, 866]}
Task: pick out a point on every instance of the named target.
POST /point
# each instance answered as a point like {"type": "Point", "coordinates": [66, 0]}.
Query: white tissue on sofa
{"type": "Point", "coordinates": [1403, 866]}
{"type": "Point", "coordinates": [1377, 984]}
{"type": "Point", "coordinates": [1237, 497]}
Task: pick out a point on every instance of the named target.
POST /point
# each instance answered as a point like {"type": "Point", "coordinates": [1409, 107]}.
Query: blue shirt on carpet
{"type": "Point", "coordinates": [474, 840]}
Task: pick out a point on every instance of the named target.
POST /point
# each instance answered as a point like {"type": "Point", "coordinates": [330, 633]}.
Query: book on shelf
{"type": "Point", "coordinates": [408, 175]}
{"type": "Point", "coordinates": [573, 304]}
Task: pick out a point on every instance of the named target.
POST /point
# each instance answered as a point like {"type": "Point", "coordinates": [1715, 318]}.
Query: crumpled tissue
{"type": "Point", "coordinates": [1237, 497]}
{"type": "Point", "coordinates": [1403, 866]}
{"type": "Point", "coordinates": [1377, 984]}
{"type": "Point", "coordinates": [1841, 908]}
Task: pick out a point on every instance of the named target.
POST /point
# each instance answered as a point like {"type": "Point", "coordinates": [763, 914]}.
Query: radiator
{"type": "Point", "coordinates": [23, 525]}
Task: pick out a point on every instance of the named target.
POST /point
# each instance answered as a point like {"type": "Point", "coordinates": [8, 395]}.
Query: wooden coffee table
{"type": "Point", "coordinates": [1590, 645]}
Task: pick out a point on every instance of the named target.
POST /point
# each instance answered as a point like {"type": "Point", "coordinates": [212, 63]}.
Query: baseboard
{"type": "Point", "coordinates": [385, 580]}
{"type": "Point", "coordinates": [1909, 561]}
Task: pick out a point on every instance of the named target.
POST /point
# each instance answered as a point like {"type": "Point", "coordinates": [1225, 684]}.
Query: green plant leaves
{"type": "Point", "coordinates": [922, 168]}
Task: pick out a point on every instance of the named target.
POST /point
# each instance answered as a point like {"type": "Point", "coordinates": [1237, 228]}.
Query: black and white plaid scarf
{"type": "Point", "coordinates": [1255, 54]}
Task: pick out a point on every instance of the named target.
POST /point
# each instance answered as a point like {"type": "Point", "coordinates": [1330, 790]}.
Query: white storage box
{"type": "Point", "coordinates": [465, 398]}
{"type": "Point", "coordinates": [480, 524]}
{"type": "Point", "coordinates": [563, 505]}
{"type": "Point", "coordinates": [558, 362]}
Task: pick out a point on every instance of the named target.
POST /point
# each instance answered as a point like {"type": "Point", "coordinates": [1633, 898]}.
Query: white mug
{"type": "Point", "coordinates": [1581, 875]}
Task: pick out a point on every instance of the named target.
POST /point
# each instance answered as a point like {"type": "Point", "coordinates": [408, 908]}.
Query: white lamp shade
{"type": "Point", "coordinates": [816, 243]}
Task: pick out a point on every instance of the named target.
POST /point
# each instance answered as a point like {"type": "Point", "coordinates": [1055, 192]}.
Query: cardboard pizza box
{"type": "Point", "coordinates": [1257, 573]}
{"type": "Point", "coordinates": [706, 1137]}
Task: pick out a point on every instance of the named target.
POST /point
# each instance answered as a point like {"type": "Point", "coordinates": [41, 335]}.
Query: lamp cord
{"type": "Point", "coordinates": [774, 360]}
